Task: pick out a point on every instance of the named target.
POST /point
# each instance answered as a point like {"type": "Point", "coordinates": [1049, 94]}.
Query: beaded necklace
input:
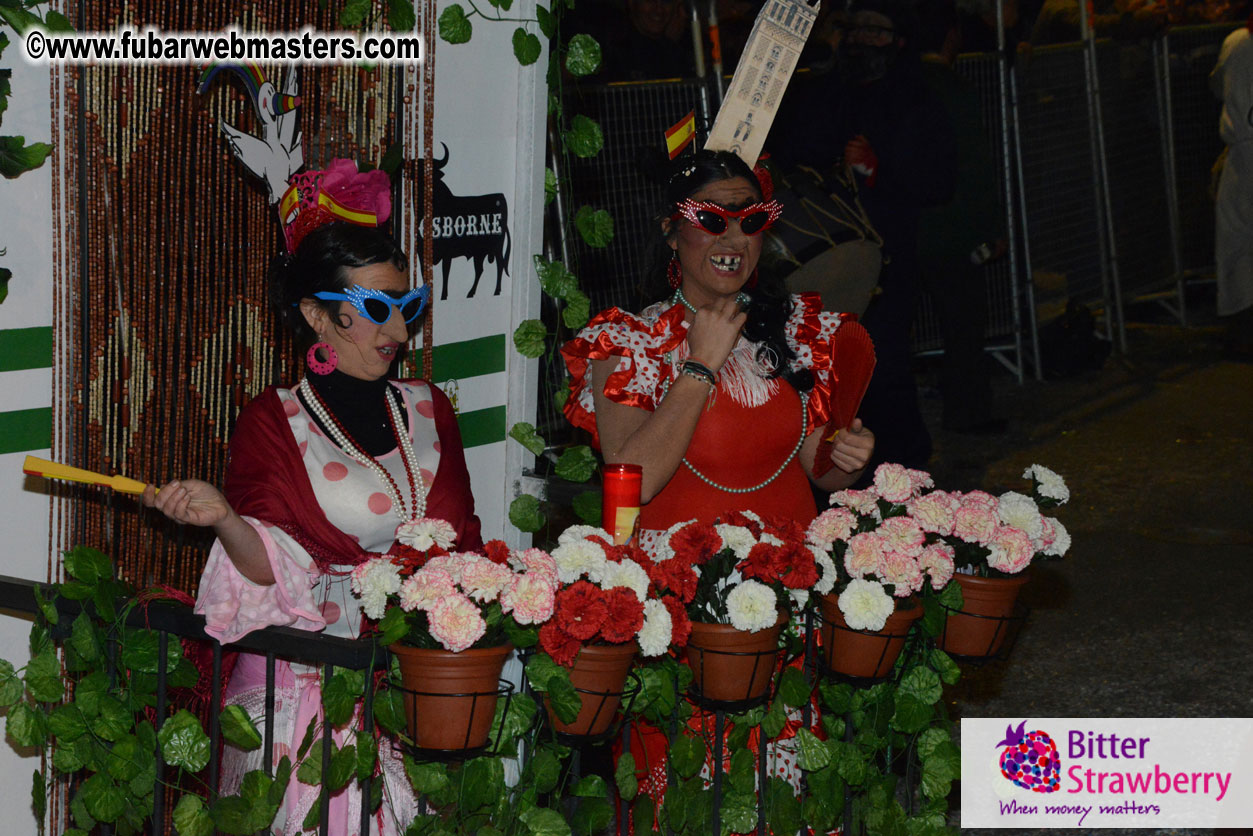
{"type": "Point", "coordinates": [417, 485]}
{"type": "Point", "coordinates": [741, 298]}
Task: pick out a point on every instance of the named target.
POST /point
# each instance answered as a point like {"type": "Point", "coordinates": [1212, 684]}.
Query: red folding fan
{"type": "Point", "coordinates": [852, 363]}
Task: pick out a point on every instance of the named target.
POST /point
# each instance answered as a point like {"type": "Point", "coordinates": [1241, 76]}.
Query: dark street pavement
{"type": "Point", "coordinates": [1148, 615]}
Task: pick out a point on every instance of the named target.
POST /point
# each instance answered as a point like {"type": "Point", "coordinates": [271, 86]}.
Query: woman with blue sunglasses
{"type": "Point", "coordinates": [321, 476]}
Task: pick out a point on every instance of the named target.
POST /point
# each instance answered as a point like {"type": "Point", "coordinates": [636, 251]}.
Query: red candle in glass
{"type": "Point", "coordinates": [620, 506]}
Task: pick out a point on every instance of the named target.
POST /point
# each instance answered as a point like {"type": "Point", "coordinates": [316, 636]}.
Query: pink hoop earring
{"type": "Point", "coordinates": [674, 272]}
{"type": "Point", "coordinates": [322, 367]}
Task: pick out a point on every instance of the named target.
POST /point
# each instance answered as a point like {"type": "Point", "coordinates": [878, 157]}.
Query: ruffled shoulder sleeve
{"type": "Point", "coordinates": [641, 342]}
{"type": "Point", "coordinates": [809, 330]}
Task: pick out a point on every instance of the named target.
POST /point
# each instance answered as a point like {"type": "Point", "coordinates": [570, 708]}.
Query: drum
{"type": "Point", "coordinates": [824, 242]}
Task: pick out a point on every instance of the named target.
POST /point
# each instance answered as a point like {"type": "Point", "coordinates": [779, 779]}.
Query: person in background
{"type": "Point", "coordinates": [955, 240]}
{"type": "Point", "coordinates": [1232, 80]}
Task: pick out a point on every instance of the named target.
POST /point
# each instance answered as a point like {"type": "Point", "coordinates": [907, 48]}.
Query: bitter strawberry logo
{"type": "Point", "coordinates": [1030, 759]}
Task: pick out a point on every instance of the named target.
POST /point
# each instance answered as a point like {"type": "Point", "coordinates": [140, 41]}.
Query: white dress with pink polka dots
{"type": "Point", "coordinates": [355, 502]}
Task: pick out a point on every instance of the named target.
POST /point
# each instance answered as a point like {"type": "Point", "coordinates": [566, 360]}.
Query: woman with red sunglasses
{"type": "Point", "coordinates": [717, 389]}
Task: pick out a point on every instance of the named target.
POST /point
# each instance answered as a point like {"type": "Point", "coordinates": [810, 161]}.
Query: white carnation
{"type": "Point", "coordinates": [1048, 483]}
{"type": "Point", "coordinates": [827, 574]}
{"type": "Point", "coordinates": [737, 538]}
{"type": "Point", "coordinates": [577, 558]}
{"type": "Point", "coordinates": [1020, 512]}
{"type": "Point", "coordinates": [582, 532]}
{"type": "Point", "coordinates": [865, 605]}
{"type": "Point", "coordinates": [800, 597]}
{"type": "Point", "coordinates": [752, 606]}
{"type": "Point", "coordinates": [654, 637]}
{"type": "Point", "coordinates": [427, 532]}
{"type": "Point", "coordinates": [627, 573]}
{"type": "Point", "coordinates": [373, 581]}
{"type": "Point", "coordinates": [1061, 540]}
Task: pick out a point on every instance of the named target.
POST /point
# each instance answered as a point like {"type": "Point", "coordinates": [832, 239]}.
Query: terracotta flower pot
{"type": "Point", "coordinates": [730, 665]}
{"type": "Point", "coordinates": [450, 698]}
{"type": "Point", "coordinates": [868, 654]}
{"type": "Point", "coordinates": [598, 675]}
{"type": "Point", "coordinates": [979, 629]}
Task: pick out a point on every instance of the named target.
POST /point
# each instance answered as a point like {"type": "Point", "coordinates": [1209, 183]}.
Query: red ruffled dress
{"type": "Point", "coordinates": [747, 439]}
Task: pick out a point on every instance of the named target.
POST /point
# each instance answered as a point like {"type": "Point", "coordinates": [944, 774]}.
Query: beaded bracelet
{"type": "Point", "coordinates": [695, 375]}
{"type": "Point", "coordinates": [695, 369]}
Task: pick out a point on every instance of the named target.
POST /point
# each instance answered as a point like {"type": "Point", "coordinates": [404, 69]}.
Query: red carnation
{"type": "Point", "coordinates": [675, 576]}
{"type": "Point", "coordinates": [559, 644]}
{"type": "Point", "coordinates": [798, 568]}
{"type": "Point", "coordinates": [744, 521]}
{"type": "Point", "coordinates": [680, 624]}
{"type": "Point", "coordinates": [625, 618]}
{"type": "Point", "coordinates": [787, 530]}
{"type": "Point", "coordinates": [696, 543]}
{"type": "Point", "coordinates": [497, 551]}
{"type": "Point", "coordinates": [763, 563]}
{"type": "Point", "coordinates": [581, 610]}
{"type": "Point", "coordinates": [407, 558]}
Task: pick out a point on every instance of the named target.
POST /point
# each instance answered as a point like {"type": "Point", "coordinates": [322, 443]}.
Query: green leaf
{"type": "Point", "coordinates": [584, 139]}
{"type": "Point", "coordinates": [54, 21]}
{"type": "Point", "coordinates": [643, 811]}
{"type": "Point", "coordinates": [114, 720]}
{"type": "Point", "coordinates": [18, 18]}
{"type": "Point", "coordinates": [43, 676]}
{"type": "Point", "coordinates": [310, 769]}
{"type": "Point", "coordinates": [591, 786]}
{"type": "Point", "coordinates": [524, 433]}
{"type": "Point", "coordinates": [565, 701]}
{"type": "Point", "coordinates": [66, 724]}
{"type": "Point", "coordinates": [141, 651]}
{"type": "Point", "coordinates": [482, 781]}
{"type": "Point", "coordinates": [582, 55]}
{"type": "Point", "coordinates": [315, 812]}
{"type": "Point", "coordinates": [526, 47]}
{"type": "Point", "coordinates": [400, 15]}
{"type": "Point", "coordinates": [306, 742]}
{"type": "Point", "coordinates": [739, 812]}
{"type": "Point", "coordinates": [624, 776]}
{"type": "Point", "coordinates": [88, 565]}
{"type": "Point", "coordinates": [836, 698]}
{"type": "Point", "coordinates": [773, 721]}
{"type": "Point", "coordinates": [126, 761]}
{"type": "Point", "coordinates": [238, 729]}
{"type": "Point", "coordinates": [524, 513]}
{"type": "Point", "coordinates": [393, 627]}
{"type": "Point", "coordinates": [592, 816]}
{"type": "Point", "coordinates": [911, 714]}
{"type": "Point", "coordinates": [595, 225]}
{"type": "Point", "coordinates": [554, 278]}
{"type": "Point", "coordinates": [588, 506]}
{"type": "Point", "coordinates": [544, 822]}
{"type": "Point", "coordinates": [945, 666]}
{"type": "Point", "coordinates": [83, 637]}
{"type": "Point", "coordinates": [547, 21]}
{"type": "Point", "coordinates": [793, 689]}
{"type": "Point", "coordinates": [562, 395]}
{"type": "Point", "coordinates": [951, 596]}
{"type": "Point", "coordinates": [10, 685]}
{"type": "Point", "coordinates": [743, 773]}
{"type": "Point", "coordinates": [427, 778]}
{"type": "Point", "coordinates": [814, 753]}
{"type": "Point", "coordinates": [338, 700]}
{"type": "Point", "coordinates": [367, 755]}
{"type": "Point", "coordinates": [544, 770]}
{"type": "Point", "coordinates": [389, 710]}
{"type": "Point", "coordinates": [343, 767]}
{"type": "Point", "coordinates": [104, 800]}
{"type": "Point", "coordinates": [5, 275]}
{"type": "Point", "coordinates": [38, 795]}
{"type": "Point", "coordinates": [191, 818]}
{"type": "Point", "coordinates": [849, 761]}
{"type": "Point", "coordinates": [688, 755]}
{"type": "Point", "coordinates": [576, 464]}
{"type": "Point", "coordinates": [46, 608]}
{"type": "Point", "coordinates": [89, 691]}
{"type": "Point", "coordinates": [923, 684]}
{"type": "Point", "coordinates": [453, 25]}
{"type": "Point", "coordinates": [529, 338]}
{"type": "Point", "coordinates": [183, 742]}
{"type": "Point", "coordinates": [72, 757]}
{"type": "Point", "coordinates": [550, 185]}
{"type": "Point", "coordinates": [353, 14]}
{"type": "Point", "coordinates": [577, 310]}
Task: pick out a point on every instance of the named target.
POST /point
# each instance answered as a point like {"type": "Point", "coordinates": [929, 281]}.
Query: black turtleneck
{"type": "Point", "coordinates": [360, 408]}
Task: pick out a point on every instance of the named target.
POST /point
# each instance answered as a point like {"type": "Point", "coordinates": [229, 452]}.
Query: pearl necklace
{"type": "Point", "coordinates": [741, 298]}
{"type": "Point", "coordinates": [417, 485]}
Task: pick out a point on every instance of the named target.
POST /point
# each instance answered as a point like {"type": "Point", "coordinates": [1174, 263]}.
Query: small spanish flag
{"type": "Point", "coordinates": [681, 134]}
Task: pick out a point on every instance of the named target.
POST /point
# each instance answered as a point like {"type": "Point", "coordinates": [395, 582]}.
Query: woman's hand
{"type": "Point", "coordinates": [853, 447]}
{"type": "Point", "coordinates": [189, 501]}
{"type": "Point", "coordinates": [714, 332]}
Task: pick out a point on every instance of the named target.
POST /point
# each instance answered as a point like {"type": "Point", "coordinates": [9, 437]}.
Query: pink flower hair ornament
{"type": "Point", "coordinates": [339, 193]}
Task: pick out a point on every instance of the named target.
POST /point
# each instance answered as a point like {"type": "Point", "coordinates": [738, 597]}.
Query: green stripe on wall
{"type": "Point", "coordinates": [27, 348]}
{"type": "Point", "coordinates": [482, 426]}
{"type": "Point", "coordinates": [469, 358]}
{"type": "Point", "coordinates": [31, 429]}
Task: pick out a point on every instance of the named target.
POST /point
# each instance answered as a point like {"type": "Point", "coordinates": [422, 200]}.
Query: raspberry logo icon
{"type": "Point", "coordinates": [1030, 759]}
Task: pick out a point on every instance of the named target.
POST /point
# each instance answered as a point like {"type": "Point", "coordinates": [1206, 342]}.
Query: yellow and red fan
{"type": "Point", "coordinates": [55, 470]}
{"type": "Point", "coordinates": [852, 364]}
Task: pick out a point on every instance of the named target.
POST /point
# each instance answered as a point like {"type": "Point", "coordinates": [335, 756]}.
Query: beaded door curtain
{"type": "Point", "coordinates": [163, 329]}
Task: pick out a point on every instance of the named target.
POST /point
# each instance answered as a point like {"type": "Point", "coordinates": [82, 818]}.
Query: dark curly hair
{"type": "Point", "coordinates": [770, 304]}
{"type": "Point", "coordinates": [319, 264]}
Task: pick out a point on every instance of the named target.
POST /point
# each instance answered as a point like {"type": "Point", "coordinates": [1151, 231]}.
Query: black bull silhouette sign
{"type": "Point", "coordinates": [474, 227]}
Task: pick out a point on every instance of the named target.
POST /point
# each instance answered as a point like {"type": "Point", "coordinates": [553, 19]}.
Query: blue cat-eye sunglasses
{"type": "Point", "coordinates": [377, 305]}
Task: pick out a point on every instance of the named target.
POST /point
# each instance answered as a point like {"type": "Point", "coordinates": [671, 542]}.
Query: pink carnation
{"type": "Point", "coordinates": [920, 479]}
{"type": "Point", "coordinates": [537, 562]}
{"type": "Point", "coordinates": [864, 555]}
{"type": "Point", "coordinates": [893, 483]}
{"type": "Point", "coordinates": [901, 534]}
{"type": "Point", "coordinates": [450, 563]}
{"type": "Point", "coordinates": [860, 502]}
{"type": "Point", "coordinates": [1010, 550]}
{"type": "Point", "coordinates": [975, 524]}
{"type": "Point", "coordinates": [937, 560]}
{"type": "Point", "coordinates": [456, 622]}
{"type": "Point", "coordinates": [484, 580]}
{"type": "Point", "coordinates": [530, 598]}
{"type": "Point", "coordinates": [934, 512]}
{"type": "Point", "coordinates": [831, 525]}
{"type": "Point", "coordinates": [903, 572]}
{"type": "Point", "coordinates": [424, 587]}
{"type": "Point", "coordinates": [979, 499]}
